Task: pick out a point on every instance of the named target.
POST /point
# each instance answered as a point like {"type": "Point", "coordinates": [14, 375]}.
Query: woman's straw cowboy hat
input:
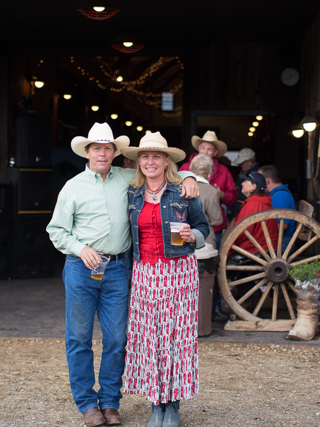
{"type": "Point", "coordinates": [154, 142]}
{"type": "Point", "coordinates": [100, 133]}
{"type": "Point", "coordinates": [210, 137]}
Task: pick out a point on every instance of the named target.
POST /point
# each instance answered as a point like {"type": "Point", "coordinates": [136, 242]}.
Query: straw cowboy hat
{"type": "Point", "coordinates": [100, 133]}
{"type": "Point", "coordinates": [210, 137]}
{"type": "Point", "coordinates": [154, 142]}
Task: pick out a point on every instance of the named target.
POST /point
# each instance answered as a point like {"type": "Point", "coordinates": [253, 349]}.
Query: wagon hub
{"type": "Point", "coordinates": [277, 270]}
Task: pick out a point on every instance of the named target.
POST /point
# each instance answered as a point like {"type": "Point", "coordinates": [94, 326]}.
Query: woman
{"type": "Point", "coordinates": [253, 187]}
{"type": "Point", "coordinates": [162, 359]}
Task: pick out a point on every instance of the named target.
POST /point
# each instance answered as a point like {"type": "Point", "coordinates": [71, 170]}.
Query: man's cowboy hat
{"type": "Point", "coordinates": [154, 142]}
{"type": "Point", "coordinates": [244, 155]}
{"type": "Point", "coordinates": [210, 137]}
{"type": "Point", "coordinates": [100, 133]}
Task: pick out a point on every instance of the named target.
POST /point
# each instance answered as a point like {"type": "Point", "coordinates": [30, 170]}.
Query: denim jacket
{"type": "Point", "coordinates": [175, 209]}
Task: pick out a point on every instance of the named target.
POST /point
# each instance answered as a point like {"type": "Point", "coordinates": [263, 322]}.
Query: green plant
{"type": "Point", "coordinates": [306, 271]}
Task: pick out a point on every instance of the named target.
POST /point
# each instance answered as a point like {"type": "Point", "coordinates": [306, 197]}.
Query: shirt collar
{"type": "Point", "coordinates": [96, 176]}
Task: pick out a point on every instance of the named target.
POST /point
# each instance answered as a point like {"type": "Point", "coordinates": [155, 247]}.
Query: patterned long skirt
{"type": "Point", "coordinates": [162, 349]}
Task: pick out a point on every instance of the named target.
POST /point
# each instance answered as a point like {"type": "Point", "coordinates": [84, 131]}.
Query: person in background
{"type": "Point", "coordinates": [220, 177]}
{"type": "Point", "coordinates": [257, 200]}
{"type": "Point", "coordinates": [89, 219]}
{"type": "Point", "coordinates": [281, 198]}
{"type": "Point", "coordinates": [247, 161]}
{"type": "Point", "coordinates": [162, 355]}
{"type": "Point", "coordinates": [129, 164]}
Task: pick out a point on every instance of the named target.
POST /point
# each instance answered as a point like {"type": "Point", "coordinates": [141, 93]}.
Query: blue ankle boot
{"type": "Point", "coordinates": [157, 416]}
{"type": "Point", "coordinates": [171, 415]}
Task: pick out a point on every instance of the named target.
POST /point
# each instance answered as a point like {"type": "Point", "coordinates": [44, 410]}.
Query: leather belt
{"type": "Point", "coordinates": [114, 257]}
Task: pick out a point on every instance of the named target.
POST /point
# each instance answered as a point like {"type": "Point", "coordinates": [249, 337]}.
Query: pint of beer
{"type": "Point", "coordinates": [175, 228]}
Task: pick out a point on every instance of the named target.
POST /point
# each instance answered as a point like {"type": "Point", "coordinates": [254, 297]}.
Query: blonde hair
{"type": "Point", "coordinates": [170, 174]}
{"type": "Point", "coordinates": [201, 165]}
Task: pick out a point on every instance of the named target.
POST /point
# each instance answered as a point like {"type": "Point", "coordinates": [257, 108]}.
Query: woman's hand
{"type": "Point", "coordinates": [187, 235]}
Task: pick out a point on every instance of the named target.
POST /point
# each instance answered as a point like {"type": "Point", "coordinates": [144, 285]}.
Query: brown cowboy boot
{"type": "Point", "coordinates": [94, 418]}
{"type": "Point", "coordinates": [308, 310]}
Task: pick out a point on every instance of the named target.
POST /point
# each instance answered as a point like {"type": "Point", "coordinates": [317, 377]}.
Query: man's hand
{"type": "Point", "coordinates": [221, 193]}
{"type": "Point", "coordinates": [190, 188]}
{"type": "Point", "coordinates": [90, 257]}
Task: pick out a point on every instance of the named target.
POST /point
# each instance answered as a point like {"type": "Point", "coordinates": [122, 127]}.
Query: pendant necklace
{"type": "Point", "coordinates": [154, 197]}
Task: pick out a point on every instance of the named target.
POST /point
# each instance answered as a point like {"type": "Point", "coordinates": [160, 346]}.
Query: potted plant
{"type": "Point", "coordinates": [307, 286]}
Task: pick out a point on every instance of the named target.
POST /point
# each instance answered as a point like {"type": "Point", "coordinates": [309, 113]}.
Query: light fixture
{"type": "Point", "coordinates": [259, 117]}
{"type": "Point", "coordinates": [127, 43]}
{"type": "Point", "coordinates": [252, 129]}
{"type": "Point", "coordinates": [114, 116]}
{"type": "Point", "coordinates": [139, 128]}
{"type": "Point", "coordinates": [98, 9]}
{"type": "Point", "coordinates": [255, 124]}
{"type": "Point", "coordinates": [95, 107]}
{"type": "Point", "coordinates": [67, 96]}
{"type": "Point", "coordinates": [39, 84]}
{"type": "Point", "coordinates": [309, 123]}
{"type": "Point", "coordinates": [296, 131]}
{"type": "Point", "coordinates": [250, 133]}
{"type": "Point", "coordinates": [128, 123]}
{"type": "Point", "coordinates": [148, 131]}
{"type": "Point", "coordinates": [119, 79]}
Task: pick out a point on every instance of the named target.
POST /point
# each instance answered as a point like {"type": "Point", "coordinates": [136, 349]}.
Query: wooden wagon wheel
{"type": "Point", "coordinates": [271, 270]}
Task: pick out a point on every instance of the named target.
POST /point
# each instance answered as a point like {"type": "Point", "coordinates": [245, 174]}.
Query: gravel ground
{"type": "Point", "coordinates": [240, 385]}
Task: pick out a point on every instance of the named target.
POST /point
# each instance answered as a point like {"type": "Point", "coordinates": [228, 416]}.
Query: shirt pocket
{"type": "Point", "coordinates": [179, 210]}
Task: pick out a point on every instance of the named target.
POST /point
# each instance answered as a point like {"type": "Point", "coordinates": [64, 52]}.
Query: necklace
{"type": "Point", "coordinates": [154, 197]}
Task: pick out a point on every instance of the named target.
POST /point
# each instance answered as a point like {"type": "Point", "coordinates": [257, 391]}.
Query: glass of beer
{"type": "Point", "coordinates": [175, 228]}
{"type": "Point", "coordinates": [97, 273]}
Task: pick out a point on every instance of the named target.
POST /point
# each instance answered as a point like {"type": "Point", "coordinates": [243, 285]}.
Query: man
{"type": "Point", "coordinates": [91, 218]}
{"type": "Point", "coordinates": [220, 177]}
{"type": "Point", "coordinates": [281, 198]}
{"type": "Point", "coordinates": [247, 161]}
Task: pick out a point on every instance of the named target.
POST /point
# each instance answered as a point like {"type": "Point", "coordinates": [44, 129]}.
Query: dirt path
{"type": "Point", "coordinates": [241, 385]}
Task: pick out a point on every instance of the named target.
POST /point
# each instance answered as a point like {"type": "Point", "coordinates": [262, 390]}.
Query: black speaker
{"type": "Point", "coordinates": [6, 230]}
{"type": "Point", "coordinates": [31, 189]}
{"type": "Point", "coordinates": [32, 252]}
{"type": "Point", "coordinates": [33, 143]}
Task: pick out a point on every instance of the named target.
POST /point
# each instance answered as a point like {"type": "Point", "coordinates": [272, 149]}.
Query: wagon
{"type": "Point", "coordinates": [273, 309]}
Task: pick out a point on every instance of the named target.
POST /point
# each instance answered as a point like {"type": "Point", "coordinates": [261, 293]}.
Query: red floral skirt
{"type": "Point", "coordinates": [162, 349]}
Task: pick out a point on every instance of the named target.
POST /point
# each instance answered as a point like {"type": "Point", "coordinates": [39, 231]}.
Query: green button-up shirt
{"type": "Point", "coordinates": [92, 212]}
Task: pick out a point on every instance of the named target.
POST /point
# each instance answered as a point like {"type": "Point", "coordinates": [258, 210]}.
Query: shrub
{"type": "Point", "coordinates": [305, 272]}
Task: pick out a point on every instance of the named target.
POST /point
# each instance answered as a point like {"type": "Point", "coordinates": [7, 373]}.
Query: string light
{"type": "Point", "coordinates": [255, 124]}
{"type": "Point", "coordinates": [114, 116]}
{"type": "Point", "coordinates": [95, 107]}
{"type": "Point", "coordinates": [252, 129]}
{"type": "Point", "coordinates": [67, 96]}
{"type": "Point", "coordinates": [259, 117]}
{"type": "Point", "coordinates": [128, 123]}
{"type": "Point", "coordinates": [139, 128]}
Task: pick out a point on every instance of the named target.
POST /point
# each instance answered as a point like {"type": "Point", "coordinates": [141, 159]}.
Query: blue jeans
{"type": "Point", "coordinates": [85, 296]}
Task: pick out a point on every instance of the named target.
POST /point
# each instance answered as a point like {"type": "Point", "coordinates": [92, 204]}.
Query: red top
{"type": "Point", "coordinates": [255, 204]}
{"type": "Point", "coordinates": [150, 235]}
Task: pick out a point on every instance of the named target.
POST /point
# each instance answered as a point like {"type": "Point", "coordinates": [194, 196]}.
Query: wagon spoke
{"type": "Point", "coordinates": [245, 267]}
{"type": "Point", "coordinates": [252, 291]}
{"type": "Point", "coordinates": [303, 248]}
{"type": "Point", "coordinates": [275, 302]}
{"type": "Point", "coordinates": [291, 243]}
{"type": "Point", "coordinates": [262, 299]}
{"type": "Point", "coordinates": [287, 299]}
{"type": "Point", "coordinates": [249, 255]}
{"type": "Point", "coordinates": [256, 244]}
{"type": "Point", "coordinates": [280, 238]}
{"type": "Point", "coordinates": [247, 279]}
{"type": "Point", "coordinates": [291, 286]}
{"type": "Point", "coordinates": [304, 261]}
{"type": "Point", "coordinates": [268, 239]}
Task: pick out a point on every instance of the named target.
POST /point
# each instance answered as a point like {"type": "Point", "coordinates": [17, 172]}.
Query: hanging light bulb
{"type": "Point", "coordinates": [67, 96]}
{"type": "Point", "coordinates": [296, 131]}
{"type": "Point", "coordinates": [139, 128]}
{"type": "Point", "coordinates": [259, 117]}
{"type": "Point", "coordinates": [114, 116]}
{"type": "Point", "coordinates": [39, 84]}
{"type": "Point", "coordinates": [98, 8]}
{"type": "Point", "coordinates": [250, 133]}
{"type": "Point", "coordinates": [119, 79]}
{"type": "Point", "coordinates": [128, 123]}
{"type": "Point", "coordinates": [255, 124]}
{"type": "Point", "coordinates": [127, 44]}
{"type": "Point", "coordinates": [309, 123]}
{"type": "Point", "coordinates": [95, 107]}
{"type": "Point", "coordinates": [252, 129]}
